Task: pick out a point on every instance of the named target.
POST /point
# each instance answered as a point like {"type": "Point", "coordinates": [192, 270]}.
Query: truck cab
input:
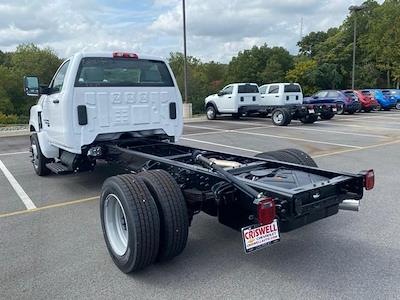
{"type": "Point", "coordinates": [102, 96]}
{"type": "Point", "coordinates": [281, 94]}
{"type": "Point", "coordinates": [236, 99]}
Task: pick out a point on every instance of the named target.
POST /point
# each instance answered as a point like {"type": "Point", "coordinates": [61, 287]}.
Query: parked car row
{"type": "Point", "coordinates": [284, 102]}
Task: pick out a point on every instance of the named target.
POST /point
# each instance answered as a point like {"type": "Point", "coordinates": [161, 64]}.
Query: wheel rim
{"type": "Point", "coordinates": [278, 117]}
{"type": "Point", "coordinates": [398, 105]}
{"type": "Point", "coordinates": [340, 110]}
{"type": "Point", "coordinates": [35, 156]}
{"type": "Point", "coordinates": [210, 113]}
{"type": "Point", "coordinates": [115, 224]}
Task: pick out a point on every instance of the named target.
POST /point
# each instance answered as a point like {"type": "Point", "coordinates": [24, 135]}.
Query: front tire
{"type": "Point", "coordinates": [130, 222]}
{"type": "Point", "coordinates": [398, 105]}
{"type": "Point", "coordinates": [38, 159]}
{"type": "Point", "coordinates": [211, 112]}
{"type": "Point", "coordinates": [340, 108]}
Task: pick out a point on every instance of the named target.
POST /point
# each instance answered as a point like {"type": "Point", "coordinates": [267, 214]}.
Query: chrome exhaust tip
{"type": "Point", "coordinates": [353, 205]}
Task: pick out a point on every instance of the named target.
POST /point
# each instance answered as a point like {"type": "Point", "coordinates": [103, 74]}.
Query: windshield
{"type": "Point", "coordinates": [103, 71]}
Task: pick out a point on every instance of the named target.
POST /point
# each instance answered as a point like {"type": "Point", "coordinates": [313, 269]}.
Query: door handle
{"type": "Point", "coordinates": [56, 101]}
{"type": "Point", "coordinates": [276, 96]}
{"type": "Point", "coordinates": [230, 97]}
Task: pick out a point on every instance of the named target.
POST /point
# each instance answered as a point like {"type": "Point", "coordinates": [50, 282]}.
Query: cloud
{"type": "Point", "coordinates": [217, 30]}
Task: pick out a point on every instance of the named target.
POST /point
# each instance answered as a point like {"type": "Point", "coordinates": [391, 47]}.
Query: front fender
{"type": "Point", "coordinates": [35, 119]}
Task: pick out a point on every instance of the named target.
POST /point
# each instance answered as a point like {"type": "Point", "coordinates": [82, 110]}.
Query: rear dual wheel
{"type": "Point", "coordinates": [309, 119]}
{"type": "Point", "coordinates": [144, 219]}
{"type": "Point", "coordinates": [281, 117]}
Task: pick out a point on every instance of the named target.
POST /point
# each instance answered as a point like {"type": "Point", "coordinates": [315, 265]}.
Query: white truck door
{"type": "Point", "coordinates": [53, 117]}
{"type": "Point", "coordinates": [226, 102]}
{"type": "Point", "coordinates": [271, 96]}
{"type": "Point", "coordinates": [263, 91]}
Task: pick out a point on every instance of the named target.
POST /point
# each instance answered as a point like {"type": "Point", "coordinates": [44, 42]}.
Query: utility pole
{"type": "Point", "coordinates": [354, 9]}
{"type": "Point", "coordinates": [185, 72]}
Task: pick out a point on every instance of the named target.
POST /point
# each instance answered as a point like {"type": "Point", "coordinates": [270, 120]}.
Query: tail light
{"type": "Point", "coordinates": [125, 55]}
{"type": "Point", "coordinates": [369, 179]}
{"type": "Point", "coordinates": [266, 211]}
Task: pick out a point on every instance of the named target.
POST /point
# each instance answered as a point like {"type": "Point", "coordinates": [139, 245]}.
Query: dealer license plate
{"type": "Point", "coordinates": [334, 109]}
{"type": "Point", "coordinates": [256, 237]}
{"type": "Point", "coordinates": [311, 111]}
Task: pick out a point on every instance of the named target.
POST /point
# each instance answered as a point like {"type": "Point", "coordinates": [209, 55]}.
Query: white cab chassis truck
{"type": "Point", "coordinates": [236, 99]}
{"type": "Point", "coordinates": [284, 102]}
{"type": "Point", "coordinates": [126, 110]}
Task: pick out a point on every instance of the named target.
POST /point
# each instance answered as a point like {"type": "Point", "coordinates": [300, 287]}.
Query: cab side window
{"type": "Point", "coordinates": [228, 90]}
{"type": "Point", "coordinates": [263, 90]}
{"type": "Point", "coordinates": [273, 89]}
{"type": "Point", "coordinates": [58, 81]}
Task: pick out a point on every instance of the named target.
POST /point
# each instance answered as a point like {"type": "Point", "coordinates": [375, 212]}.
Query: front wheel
{"type": "Point", "coordinates": [38, 159]}
{"type": "Point", "coordinates": [398, 105]}
{"type": "Point", "coordinates": [211, 113]}
{"type": "Point", "coordinates": [340, 108]}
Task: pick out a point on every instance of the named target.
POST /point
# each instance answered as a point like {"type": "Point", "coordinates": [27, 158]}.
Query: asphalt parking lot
{"type": "Point", "coordinates": [56, 250]}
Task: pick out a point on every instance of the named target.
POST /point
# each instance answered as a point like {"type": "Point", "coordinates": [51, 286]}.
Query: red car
{"type": "Point", "coordinates": [368, 101]}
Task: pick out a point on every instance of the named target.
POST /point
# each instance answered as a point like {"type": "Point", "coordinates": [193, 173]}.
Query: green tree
{"type": "Point", "coordinates": [260, 65]}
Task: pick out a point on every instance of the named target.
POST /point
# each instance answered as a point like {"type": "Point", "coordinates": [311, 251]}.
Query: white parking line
{"type": "Point", "coordinates": [14, 153]}
{"type": "Point", "coordinates": [203, 127]}
{"type": "Point", "coordinates": [244, 122]}
{"type": "Point", "coordinates": [17, 187]}
{"type": "Point", "coordinates": [335, 131]}
{"type": "Point", "coordinates": [296, 139]}
{"type": "Point", "coordinates": [220, 145]}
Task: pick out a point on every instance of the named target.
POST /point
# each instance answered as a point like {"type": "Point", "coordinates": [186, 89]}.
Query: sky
{"type": "Point", "coordinates": [216, 30]}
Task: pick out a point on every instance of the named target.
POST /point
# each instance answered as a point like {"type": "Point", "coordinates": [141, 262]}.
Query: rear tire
{"type": "Point", "coordinates": [327, 116]}
{"type": "Point", "coordinates": [39, 161]}
{"type": "Point", "coordinates": [398, 105]}
{"type": "Point", "coordinates": [211, 112]}
{"type": "Point", "coordinates": [294, 156]}
{"type": "Point", "coordinates": [130, 222]}
{"type": "Point", "coordinates": [309, 119]}
{"type": "Point", "coordinates": [281, 117]}
{"type": "Point", "coordinates": [174, 220]}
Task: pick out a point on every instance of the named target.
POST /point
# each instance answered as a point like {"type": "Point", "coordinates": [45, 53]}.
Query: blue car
{"type": "Point", "coordinates": [385, 101]}
{"type": "Point", "coordinates": [393, 93]}
{"type": "Point", "coordinates": [345, 103]}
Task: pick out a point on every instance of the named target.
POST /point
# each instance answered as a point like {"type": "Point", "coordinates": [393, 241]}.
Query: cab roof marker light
{"type": "Point", "coordinates": [125, 55]}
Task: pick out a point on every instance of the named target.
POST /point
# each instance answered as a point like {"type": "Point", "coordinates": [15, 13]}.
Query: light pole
{"type": "Point", "coordinates": [184, 53]}
{"type": "Point", "coordinates": [355, 9]}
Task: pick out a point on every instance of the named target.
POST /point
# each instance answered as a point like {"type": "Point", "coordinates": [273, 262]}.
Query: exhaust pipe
{"type": "Point", "coordinates": [353, 205]}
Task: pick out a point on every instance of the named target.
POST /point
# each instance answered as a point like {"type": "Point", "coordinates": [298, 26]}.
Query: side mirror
{"type": "Point", "coordinates": [31, 86]}
{"type": "Point", "coordinates": [220, 93]}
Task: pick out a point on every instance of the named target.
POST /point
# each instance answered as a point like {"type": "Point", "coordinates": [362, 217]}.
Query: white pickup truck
{"type": "Point", "coordinates": [236, 99]}
{"type": "Point", "coordinates": [125, 109]}
{"type": "Point", "coordinates": [96, 97]}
